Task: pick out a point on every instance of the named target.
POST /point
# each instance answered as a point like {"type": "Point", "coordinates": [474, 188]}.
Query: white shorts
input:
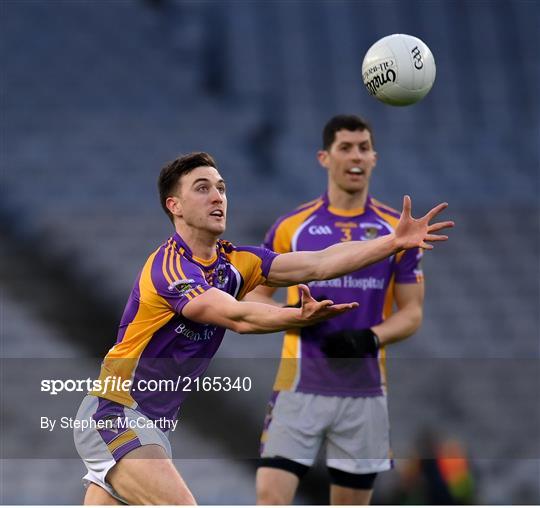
{"type": "Point", "coordinates": [354, 430]}
{"type": "Point", "coordinates": [101, 449]}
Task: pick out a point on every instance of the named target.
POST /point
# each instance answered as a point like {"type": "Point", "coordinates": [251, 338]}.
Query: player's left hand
{"type": "Point", "coordinates": [351, 344]}
{"type": "Point", "coordinates": [411, 232]}
{"type": "Point", "coordinates": [314, 312]}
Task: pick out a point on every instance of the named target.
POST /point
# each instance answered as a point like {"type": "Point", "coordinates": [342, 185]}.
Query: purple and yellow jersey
{"type": "Point", "coordinates": [155, 341]}
{"type": "Point", "coordinates": [315, 226]}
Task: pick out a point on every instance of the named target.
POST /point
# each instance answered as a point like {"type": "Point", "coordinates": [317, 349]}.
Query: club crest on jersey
{"type": "Point", "coordinates": [221, 277]}
{"type": "Point", "coordinates": [181, 286]}
{"type": "Point", "coordinates": [371, 232]}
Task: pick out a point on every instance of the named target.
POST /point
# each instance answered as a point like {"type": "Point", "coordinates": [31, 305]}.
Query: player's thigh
{"type": "Point", "coordinates": [276, 486]}
{"type": "Point", "coordinates": [98, 496]}
{"type": "Point", "coordinates": [349, 496]}
{"type": "Point", "coordinates": [295, 426]}
{"type": "Point", "coordinates": [122, 430]}
{"type": "Point", "coordinates": [147, 476]}
{"type": "Point", "coordinates": [359, 440]}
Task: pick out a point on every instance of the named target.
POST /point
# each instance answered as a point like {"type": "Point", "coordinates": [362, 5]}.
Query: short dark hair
{"type": "Point", "coordinates": [343, 122]}
{"type": "Point", "coordinates": [170, 175]}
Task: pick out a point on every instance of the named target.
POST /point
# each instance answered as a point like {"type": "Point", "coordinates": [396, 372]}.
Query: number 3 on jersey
{"type": "Point", "coordinates": [346, 235]}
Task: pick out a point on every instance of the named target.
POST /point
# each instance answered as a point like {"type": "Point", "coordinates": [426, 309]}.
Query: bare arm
{"type": "Point", "coordinates": [336, 260]}
{"type": "Point", "coordinates": [219, 308]}
{"type": "Point", "coordinates": [407, 319]}
{"type": "Point", "coordinates": [262, 294]}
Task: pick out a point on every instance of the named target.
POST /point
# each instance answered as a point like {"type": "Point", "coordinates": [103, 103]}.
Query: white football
{"type": "Point", "coordinates": [399, 70]}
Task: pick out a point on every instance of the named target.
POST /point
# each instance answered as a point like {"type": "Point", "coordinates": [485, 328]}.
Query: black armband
{"type": "Point", "coordinates": [351, 344]}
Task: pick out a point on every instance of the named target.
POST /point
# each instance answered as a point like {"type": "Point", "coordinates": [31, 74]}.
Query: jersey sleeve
{"type": "Point", "coordinates": [277, 238]}
{"type": "Point", "coordinates": [176, 281]}
{"type": "Point", "coordinates": [253, 265]}
{"type": "Point", "coordinates": [408, 269]}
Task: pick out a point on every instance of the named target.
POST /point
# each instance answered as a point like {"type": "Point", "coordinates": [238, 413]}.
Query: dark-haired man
{"type": "Point", "coordinates": [318, 400]}
{"type": "Point", "coordinates": [184, 298]}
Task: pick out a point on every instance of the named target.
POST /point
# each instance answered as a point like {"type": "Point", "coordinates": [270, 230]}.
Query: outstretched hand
{"type": "Point", "coordinates": [314, 311]}
{"type": "Point", "coordinates": [411, 232]}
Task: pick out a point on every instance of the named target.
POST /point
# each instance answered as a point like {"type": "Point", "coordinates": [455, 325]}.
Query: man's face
{"type": "Point", "coordinates": [350, 160]}
{"type": "Point", "coordinates": [201, 200]}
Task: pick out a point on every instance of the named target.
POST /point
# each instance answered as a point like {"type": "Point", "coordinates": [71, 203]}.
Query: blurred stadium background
{"type": "Point", "coordinates": [97, 95]}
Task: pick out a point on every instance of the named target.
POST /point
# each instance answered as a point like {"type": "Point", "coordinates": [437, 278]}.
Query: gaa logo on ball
{"type": "Point", "coordinates": [398, 70]}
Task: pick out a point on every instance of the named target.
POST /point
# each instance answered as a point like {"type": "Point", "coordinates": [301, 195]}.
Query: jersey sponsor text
{"type": "Point", "coordinates": [348, 281]}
